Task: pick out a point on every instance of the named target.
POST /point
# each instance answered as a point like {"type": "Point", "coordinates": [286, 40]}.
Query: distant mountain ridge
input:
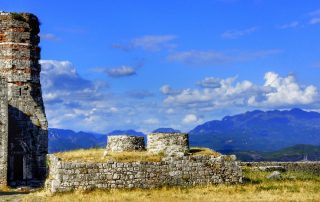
{"type": "Point", "coordinates": [126, 132]}
{"type": "Point", "coordinates": [166, 130]}
{"type": "Point", "coordinates": [259, 131]}
{"type": "Point", "coordinates": [64, 140]}
{"type": "Point", "coordinates": [255, 135]}
{"type": "Point", "coordinates": [298, 152]}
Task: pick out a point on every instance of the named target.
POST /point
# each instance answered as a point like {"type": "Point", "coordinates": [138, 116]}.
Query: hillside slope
{"type": "Point", "coordinates": [259, 131]}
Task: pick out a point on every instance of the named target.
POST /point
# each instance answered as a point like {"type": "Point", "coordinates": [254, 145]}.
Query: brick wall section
{"type": "Point", "coordinates": [304, 166]}
{"type": "Point", "coordinates": [171, 171]}
{"type": "Point", "coordinates": [3, 132]}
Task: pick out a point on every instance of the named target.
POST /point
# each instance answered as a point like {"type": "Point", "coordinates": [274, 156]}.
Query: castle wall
{"type": "Point", "coordinates": [121, 143]}
{"type": "Point", "coordinates": [19, 64]}
{"type": "Point", "coordinates": [3, 131]}
{"type": "Point", "coordinates": [171, 171]}
{"type": "Point", "coordinates": [168, 143]}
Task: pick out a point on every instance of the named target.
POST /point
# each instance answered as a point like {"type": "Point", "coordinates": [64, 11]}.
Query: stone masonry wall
{"type": "Point", "coordinates": [19, 64]}
{"type": "Point", "coordinates": [168, 143]}
{"type": "Point", "coordinates": [304, 166]}
{"type": "Point", "coordinates": [120, 143]}
{"type": "Point", "coordinates": [171, 171]}
{"type": "Point", "coordinates": [3, 132]}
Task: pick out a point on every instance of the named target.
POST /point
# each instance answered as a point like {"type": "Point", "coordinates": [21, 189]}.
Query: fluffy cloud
{"type": "Point", "coordinates": [287, 91]}
{"type": "Point", "coordinates": [69, 98]}
{"type": "Point", "coordinates": [189, 119]}
{"type": "Point", "coordinates": [314, 21]}
{"type": "Point", "coordinates": [140, 94]}
{"type": "Point", "coordinates": [151, 121]}
{"type": "Point", "coordinates": [234, 34]}
{"type": "Point", "coordinates": [49, 37]}
{"type": "Point", "coordinates": [210, 82]}
{"type": "Point", "coordinates": [120, 71]}
{"type": "Point", "coordinates": [195, 57]}
{"type": "Point", "coordinates": [292, 24]}
{"type": "Point", "coordinates": [60, 80]}
{"type": "Point", "coordinates": [167, 90]}
{"type": "Point", "coordinates": [78, 103]}
{"type": "Point", "coordinates": [74, 102]}
{"type": "Point", "coordinates": [148, 43]}
{"type": "Point", "coordinates": [277, 91]}
{"type": "Point", "coordinates": [315, 17]}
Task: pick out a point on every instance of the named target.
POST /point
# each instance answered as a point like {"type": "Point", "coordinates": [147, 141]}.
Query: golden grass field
{"type": "Point", "coordinates": [295, 186]}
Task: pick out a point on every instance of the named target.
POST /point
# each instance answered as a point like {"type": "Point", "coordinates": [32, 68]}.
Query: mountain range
{"type": "Point", "coordinates": [254, 135]}
{"type": "Point", "coordinates": [294, 153]}
{"type": "Point", "coordinates": [259, 131]}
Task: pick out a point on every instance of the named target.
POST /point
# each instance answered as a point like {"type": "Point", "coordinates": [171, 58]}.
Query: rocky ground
{"type": "Point", "coordinates": [13, 196]}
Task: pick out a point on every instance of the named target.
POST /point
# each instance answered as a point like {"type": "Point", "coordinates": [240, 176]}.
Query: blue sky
{"type": "Point", "coordinates": [146, 64]}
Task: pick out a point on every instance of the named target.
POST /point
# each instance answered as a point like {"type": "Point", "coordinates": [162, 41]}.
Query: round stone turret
{"type": "Point", "coordinates": [121, 143]}
{"type": "Point", "coordinates": [169, 144]}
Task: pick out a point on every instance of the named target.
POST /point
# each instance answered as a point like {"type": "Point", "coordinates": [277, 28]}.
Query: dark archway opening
{"type": "Point", "coordinates": [26, 150]}
{"type": "Point", "coordinates": [18, 167]}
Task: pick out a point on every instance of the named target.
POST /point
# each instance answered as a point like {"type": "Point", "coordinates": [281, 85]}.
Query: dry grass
{"type": "Point", "coordinates": [203, 151]}
{"type": "Point", "coordinates": [5, 189]}
{"type": "Point", "coordinates": [96, 155]}
{"type": "Point", "coordinates": [305, 187]}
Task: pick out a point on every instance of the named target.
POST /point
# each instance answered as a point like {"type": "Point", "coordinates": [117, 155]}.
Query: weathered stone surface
{"type": "Point", "coordinates": [171, 144]}
{"type": "Point", "coordinates": [171, 171]}
{"type": "Point", "coordinates": [27, 124]}
{"type": "Point", "coordinates": [3, 131]}
{"type": "Point", "coordinates": [121, 143]}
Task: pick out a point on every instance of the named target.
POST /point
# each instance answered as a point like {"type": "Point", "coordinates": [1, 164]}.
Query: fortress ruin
{"type": "Point", "coordinates": [24, 134]}
{"type": "Point", "coordinates": [23, 123]}
{"type": "Point", "coordinates": [176, 167]}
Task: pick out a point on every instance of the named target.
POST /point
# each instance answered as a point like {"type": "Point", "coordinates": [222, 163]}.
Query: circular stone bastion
{"type": "Point", "coordinates": [122, 143]}
{"type": "Point", "coordinates": [170, 144]}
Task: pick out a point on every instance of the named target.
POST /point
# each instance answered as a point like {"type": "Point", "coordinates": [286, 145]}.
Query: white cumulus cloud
{"type": "Point", "coordinates": [286, 90]}
{"type": "Point", "coordinates": [277, 91]}
{"type": "Point", "coordinates": [190, 119]}
{"type": "Point", "coordinates": [122, 71]}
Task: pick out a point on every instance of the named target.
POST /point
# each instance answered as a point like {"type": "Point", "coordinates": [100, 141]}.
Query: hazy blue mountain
{"type": "Point", "coordinates": [126, 132]}
{"type": "Point", "coordinates": [166, 130]}
{"type": "Point", "coordinates": [259, 131]}
{"type": "Point", "coordinates": [64, 140]}
{"type": "Point", "coordinates": [294, 153]}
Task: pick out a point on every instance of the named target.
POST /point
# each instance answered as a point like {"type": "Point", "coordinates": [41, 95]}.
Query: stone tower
{"type": "Point", "coordinates": [23, 130]}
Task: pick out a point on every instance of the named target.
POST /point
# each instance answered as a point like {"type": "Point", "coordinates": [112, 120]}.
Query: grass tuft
{"type": "Point", "coordinates": [203, 151]}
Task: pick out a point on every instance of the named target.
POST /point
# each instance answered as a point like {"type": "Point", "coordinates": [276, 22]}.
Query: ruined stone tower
{"type": "Point", "coordinates": [23, 124]}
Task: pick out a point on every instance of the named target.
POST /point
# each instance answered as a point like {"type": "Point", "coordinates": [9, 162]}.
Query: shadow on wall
{"type": "Point", "coordinates": [27, 149]}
